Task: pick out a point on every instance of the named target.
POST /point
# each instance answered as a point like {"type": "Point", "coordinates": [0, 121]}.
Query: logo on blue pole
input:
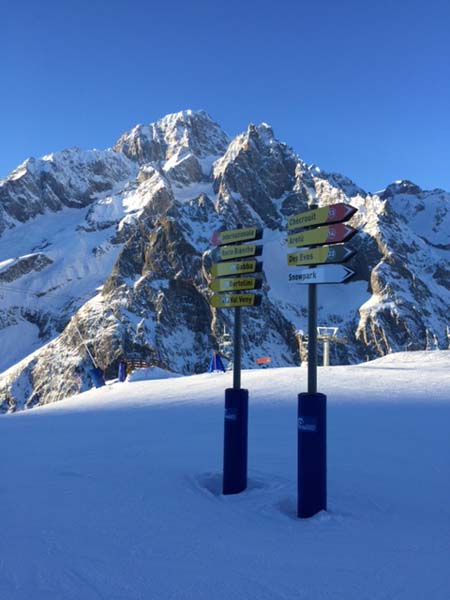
{"type": "Point", "coordinates": [307, 424]}
{"type": "Point", "coordinates": [230, 415]}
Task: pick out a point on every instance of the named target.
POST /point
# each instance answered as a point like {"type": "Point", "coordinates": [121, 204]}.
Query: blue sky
{"type": "Point", "coordinates": [355, 86]}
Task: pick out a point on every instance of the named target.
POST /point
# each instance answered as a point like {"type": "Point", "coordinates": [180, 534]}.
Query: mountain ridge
{"type": "Point", "coordinates": [129, 228]}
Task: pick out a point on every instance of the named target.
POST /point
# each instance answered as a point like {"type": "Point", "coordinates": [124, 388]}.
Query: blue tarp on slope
{"type": "Point", "coordinates": [215, 363]}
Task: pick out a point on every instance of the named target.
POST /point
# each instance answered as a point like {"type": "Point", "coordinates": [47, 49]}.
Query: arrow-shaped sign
{"type": "Point", "coordinates": [331, 234]}
{"type": "Point", "coordinates": [235, 284]}
{"type": "Point", "coordinates": [320, 255]}
{"type": "Point", "coordinates": [234, 300]}
{"type": "Point", "coordinates": [335, 213]}
{"type": "Point", "coordinates": [220, 238]}
{"type": "Point", "coordinates": [235, 268]}
{"type": "Point", "coordinates": [232, 252]}
{"type": "Point", "coordinates": [322, 274]}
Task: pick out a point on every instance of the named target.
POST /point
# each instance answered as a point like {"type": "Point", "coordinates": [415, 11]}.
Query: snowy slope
{"type": "Point", "coordinates": [61, 206]}
{"type": "Point", "coordinates": [116, 493]}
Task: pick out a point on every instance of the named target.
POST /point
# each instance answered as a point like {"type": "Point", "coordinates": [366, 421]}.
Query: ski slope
{"type": "Point", "coordinates": [115, 494]}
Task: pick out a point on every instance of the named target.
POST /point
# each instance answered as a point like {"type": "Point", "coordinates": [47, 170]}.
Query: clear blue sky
{"type": "Point", "coordinates": [356, 86]}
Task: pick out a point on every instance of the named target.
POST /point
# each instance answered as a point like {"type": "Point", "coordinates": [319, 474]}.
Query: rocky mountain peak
{"type": "Point", "coordinates": [402, 186]}
{"type": "Point", "coordinates": [175, 135]}
{"type": "Point", "coordinates": [193, 130]}
{"type": "Point", "coordinates": [262, 134]}
{"type": "Point", "coordinates": [257, 168]}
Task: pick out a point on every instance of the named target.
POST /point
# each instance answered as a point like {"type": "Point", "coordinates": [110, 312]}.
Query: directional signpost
{"type": "Point", "coordinates": [335, 213]}
{"type": "Point", "coordinates": [235, 300]}
{"type": "Point", "coordinates": [235, 268]}
{"type": "Point", "coordinates": [321, 274]}
{"type": "Point", "coordinates": [325, 229]}
{"type": "Point", "coordinates": [235, 284]}
{"type": "Point", "coordinates": [233, 252]}
{"type": "Point", "coordinates": [320, 255]}
{"type": "Point", "coordinates": [232, 274]}
{"type": "Point", "coordinates": [330, 234]}
{"type": "Point", "coordinates": [234, 236]}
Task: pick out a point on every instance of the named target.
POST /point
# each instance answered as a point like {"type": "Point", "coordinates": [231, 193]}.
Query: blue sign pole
{"type": "Point", "coordinates": [312, 429]}
{"type": "Point", "coordinates": [312, 454]}
{"type": "Point", "coordinates": [235, 441]}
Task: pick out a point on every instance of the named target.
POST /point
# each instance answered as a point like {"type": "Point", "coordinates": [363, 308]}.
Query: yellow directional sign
{"type": "Point", "coordinates": [235, 268]}
{"type": "Point", "coordinates": [320, 255]}
{"type": "Point", "coordinates": [334, 213]}
{"type": "Point", "coordinates": [235, 284]}
{"type": "Point", "coordinates": [220, 238]}
{"type": "Point", "coordinates": [234, 300]}
{"type": "Point", "coordinates": [230, 252]}
{"type": "Point", "coordinates": [330, 234]}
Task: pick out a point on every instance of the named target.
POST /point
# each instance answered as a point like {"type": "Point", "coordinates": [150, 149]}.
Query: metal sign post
{"type": "Point", "coordinates": [235, 262]}
{"type": "Point", "coordinates": [237, 348]}
{"type": "Point", "coordinates": [312, 338]}
{"type": "Point", "coordinates": [327, 335]}
{"type": "Point", "coordinates": [326, 352]}
{"type": "Point", "coordinates": [312, 406]}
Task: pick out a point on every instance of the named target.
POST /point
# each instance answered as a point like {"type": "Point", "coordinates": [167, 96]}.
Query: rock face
{"type": "Point", "coordinates": [68, 179]}
{"type": "Point", "coordinates": [105, 254]}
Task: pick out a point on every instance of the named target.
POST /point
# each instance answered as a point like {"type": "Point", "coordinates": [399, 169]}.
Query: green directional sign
{"type": "Point", "coordinates": [335, 213]}
{"type": "Point", "coordinates": [330, 234]}
{"type": "Point", "coordinates": [320, 255]}
{"type": "Point", "coordinates": [235, 284]}
{"type": "Point", "coordinates": [235, 268]}
{"type": "Point", "coordinates": [234, 300]}
{"type": "Point", "coordinates": [232, 252]}
{"type": "Point", "coordinates": [220, 238]}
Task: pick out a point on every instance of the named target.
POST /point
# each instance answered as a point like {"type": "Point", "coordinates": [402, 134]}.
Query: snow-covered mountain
{"type": "Point", "coordinates": [107, 251]}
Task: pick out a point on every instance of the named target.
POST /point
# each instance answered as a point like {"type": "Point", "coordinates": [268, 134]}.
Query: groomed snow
{"type": "Point", "coordinates": [115, 494]}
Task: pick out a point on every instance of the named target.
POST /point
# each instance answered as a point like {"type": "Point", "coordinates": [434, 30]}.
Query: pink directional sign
{"type": "Point", "coordinates": [334, 213]}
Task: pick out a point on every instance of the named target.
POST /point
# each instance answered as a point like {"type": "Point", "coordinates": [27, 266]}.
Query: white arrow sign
{"type": "Point", "coordinates": [321, 274]}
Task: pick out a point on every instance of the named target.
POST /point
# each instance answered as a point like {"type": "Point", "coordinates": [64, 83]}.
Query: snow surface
{"type": "Point", "coordinates": [115, 493]}
{"type": "Point", "coordinates": [25, 336]}
{"type": "Point", "coordinates": [149, 373]}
